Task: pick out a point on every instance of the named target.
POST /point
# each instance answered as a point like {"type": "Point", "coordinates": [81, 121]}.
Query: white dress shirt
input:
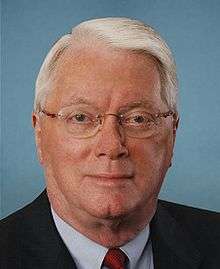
{"type": "Point", "coordinates": [88, 254]}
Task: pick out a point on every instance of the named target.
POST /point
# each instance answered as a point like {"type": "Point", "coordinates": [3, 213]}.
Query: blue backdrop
{"type": "Point", "coordinates": [191, 28]}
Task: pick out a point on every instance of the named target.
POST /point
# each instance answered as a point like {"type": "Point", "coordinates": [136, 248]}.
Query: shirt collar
{"type": "Point", "coordinates": [77, 243]}
{"type": "Point", "coordinates": [134, 248]}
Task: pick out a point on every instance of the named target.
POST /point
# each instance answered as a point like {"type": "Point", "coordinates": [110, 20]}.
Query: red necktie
{"type": "Point", "coordinates": [115, 259]}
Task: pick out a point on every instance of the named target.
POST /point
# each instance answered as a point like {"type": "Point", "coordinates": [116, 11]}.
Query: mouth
{"type": "Point", "coordinates": [112, 176]}
{"type": "Point", "coordinates": [110, 179]}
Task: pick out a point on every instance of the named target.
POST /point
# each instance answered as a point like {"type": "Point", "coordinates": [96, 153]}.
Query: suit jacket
{"type": "Point", "coordinates": [182, 238]}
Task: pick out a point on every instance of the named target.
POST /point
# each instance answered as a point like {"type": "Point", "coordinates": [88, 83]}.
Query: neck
{"type": "Point", "coordinates": [108, 232]}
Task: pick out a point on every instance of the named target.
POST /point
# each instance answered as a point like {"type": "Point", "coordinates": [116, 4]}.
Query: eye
{"type": "Point", "coordinates": [139, 119]}
{"type": "Point", "coordinates": [79, 118]}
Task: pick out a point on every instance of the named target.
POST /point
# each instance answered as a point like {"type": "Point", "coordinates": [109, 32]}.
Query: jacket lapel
{"type": "Point", "coordinates": [48, 249]}
{"type": "Point", "coordinates": [65, 260]}
{"type": "Point", "coordinates": [171, 244]}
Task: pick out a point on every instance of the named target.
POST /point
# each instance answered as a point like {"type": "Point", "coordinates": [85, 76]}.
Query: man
{"type": "Point", "coordinates": [105, 119]}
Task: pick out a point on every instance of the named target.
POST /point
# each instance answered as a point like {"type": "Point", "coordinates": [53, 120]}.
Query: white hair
{"type": "Point", "coordinates": [121, 33]}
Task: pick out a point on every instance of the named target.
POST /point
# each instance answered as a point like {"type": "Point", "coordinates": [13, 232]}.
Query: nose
{"type": "Point", "coordinates": [111, 140]}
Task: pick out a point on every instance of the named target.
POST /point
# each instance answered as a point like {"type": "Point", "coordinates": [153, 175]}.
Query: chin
{"type": "Point", "coordinates": [111, 206]}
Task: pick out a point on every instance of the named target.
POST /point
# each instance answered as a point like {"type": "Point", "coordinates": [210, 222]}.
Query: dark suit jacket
{"type": "Point", "coordinates": [182, 238]}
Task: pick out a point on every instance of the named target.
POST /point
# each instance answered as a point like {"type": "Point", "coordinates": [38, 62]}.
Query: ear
{"type": "Point", "coordinates": [176, 120]}
{"type": "Point", "coordinates": [175, 127]}
{"type": "Point", "coordinates": [38, 135]}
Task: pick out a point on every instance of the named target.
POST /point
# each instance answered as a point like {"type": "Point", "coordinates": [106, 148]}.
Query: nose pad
{"type": "Point", "coordinates": [111, 140]}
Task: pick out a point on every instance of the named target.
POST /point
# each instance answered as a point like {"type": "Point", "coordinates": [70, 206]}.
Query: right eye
{"type": "Point", "coordinates": [79, 118]}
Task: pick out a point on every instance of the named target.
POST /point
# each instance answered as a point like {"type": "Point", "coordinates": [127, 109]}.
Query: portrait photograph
{"type": "Point", "coordinates": [110, 134]}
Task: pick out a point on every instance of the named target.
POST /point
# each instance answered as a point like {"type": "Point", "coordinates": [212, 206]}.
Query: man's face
{"type": "Point", "coordinates": [109, 174]}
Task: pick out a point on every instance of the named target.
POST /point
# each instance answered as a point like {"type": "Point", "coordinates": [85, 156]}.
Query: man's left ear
{"type": "Point", "coordinates": [175, 127]}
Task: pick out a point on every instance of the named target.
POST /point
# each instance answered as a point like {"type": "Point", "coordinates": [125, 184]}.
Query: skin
{"type": "Point", "coordinates": [105, 186]}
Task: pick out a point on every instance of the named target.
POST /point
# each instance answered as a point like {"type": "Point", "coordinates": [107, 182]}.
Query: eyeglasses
{"type": "Point", "coordinates": [82, 123]}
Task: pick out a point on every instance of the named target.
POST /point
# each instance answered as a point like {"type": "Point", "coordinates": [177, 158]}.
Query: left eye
{"type": "Point", "coordinates": [139, 119]}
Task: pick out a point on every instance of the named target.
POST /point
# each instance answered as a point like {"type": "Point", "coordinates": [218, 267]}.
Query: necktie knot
{"type": "Point", "coordinates": [115, 258]}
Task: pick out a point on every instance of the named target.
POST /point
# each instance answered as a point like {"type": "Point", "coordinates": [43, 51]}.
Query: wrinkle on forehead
{"type": "Point", "coordinates": [87, 68]}
{"type": "Point", "coordinates": [148, 104]}
{"type": "Point", "coordinates": [83, 54]}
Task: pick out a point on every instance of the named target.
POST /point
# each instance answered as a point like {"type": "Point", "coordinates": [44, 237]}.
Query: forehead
{"type": "Point", "coordinates": [104, 76]}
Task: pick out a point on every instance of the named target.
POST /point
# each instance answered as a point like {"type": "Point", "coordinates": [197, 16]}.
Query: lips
{"type": "Point", "coordinates": [111, 176]}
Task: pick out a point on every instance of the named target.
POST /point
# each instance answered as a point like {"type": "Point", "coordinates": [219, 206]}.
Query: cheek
{"type": "Point", "coordinates": [148, 152]}
{"type": "Point", "coordinates": [64, 151]}
{"type": "Point", "coordinates": [66, 159]}
{"type": "Point", "coordinates": [151, 159]}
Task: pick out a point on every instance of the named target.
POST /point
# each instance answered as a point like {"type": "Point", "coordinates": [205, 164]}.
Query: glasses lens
{"type": "Point", "coordinates": [140, 124]}
{"type": "Point", "coordinates": [81, 124]}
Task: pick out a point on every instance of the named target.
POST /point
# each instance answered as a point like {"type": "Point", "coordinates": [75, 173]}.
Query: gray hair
{"type": "Point", "coordinates": [121, 33]}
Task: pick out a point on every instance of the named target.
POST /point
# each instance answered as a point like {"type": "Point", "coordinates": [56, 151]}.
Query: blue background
{"type": "Point", "coordinates": [30, 27]}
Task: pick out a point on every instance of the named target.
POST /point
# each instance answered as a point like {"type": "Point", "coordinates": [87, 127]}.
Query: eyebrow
{"type": "Point", "coordinates": [135, 104]}
{"type": "Point", "coordinates": [126, 107]}
{"type": "Point", "coordinates": [80, 101]}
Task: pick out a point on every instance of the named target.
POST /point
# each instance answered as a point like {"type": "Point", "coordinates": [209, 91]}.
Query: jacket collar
{"type": "Point", "coordinates": [51, 251]}
{"type": "Point", "coordinates": [172, 245]}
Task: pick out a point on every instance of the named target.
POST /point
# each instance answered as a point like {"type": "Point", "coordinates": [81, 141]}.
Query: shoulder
{"type": "Point", "coordinates": [30, 239]}
{"type": "Point", "coordinates": [190, 215]}
{"type": "Point", "coordinates": [186, 234]}
{"type": "Point", "coordinates": [21, 228]}
{"type": "Point", "coordinates": [202, 225]}
{"type": "Point", "coordinates": [26, 216]}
